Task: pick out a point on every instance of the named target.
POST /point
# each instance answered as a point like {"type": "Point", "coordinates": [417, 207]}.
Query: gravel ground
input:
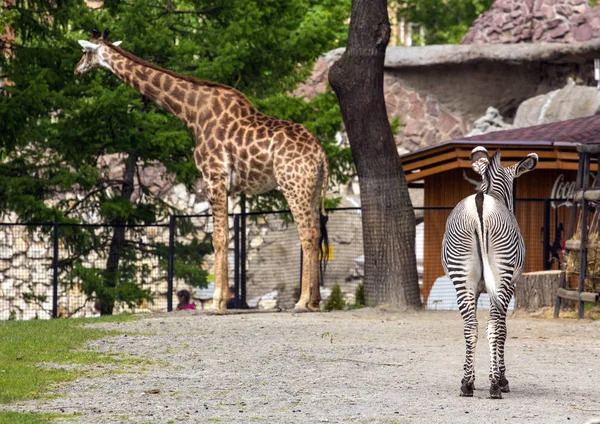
{"type": "Point", "coordinates": [363, 366]}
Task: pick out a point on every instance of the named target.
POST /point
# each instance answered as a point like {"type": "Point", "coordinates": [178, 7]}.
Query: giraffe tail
{"type": "Point", "coordinates": [324, 184]}
{"type": "Point", "coordinates": [323, 218]}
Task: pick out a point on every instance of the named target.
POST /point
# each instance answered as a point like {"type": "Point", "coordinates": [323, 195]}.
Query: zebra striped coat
{"type": "Point", "coordinates": [483, 251]}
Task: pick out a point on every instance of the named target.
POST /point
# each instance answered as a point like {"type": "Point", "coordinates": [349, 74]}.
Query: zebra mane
{"type": "Point", "coordinates": [497, 181]}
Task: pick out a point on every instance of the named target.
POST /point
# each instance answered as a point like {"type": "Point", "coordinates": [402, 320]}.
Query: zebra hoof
{"type": "Point", "coordinates": [504, 385]}
{"type": "Point", "coordinates": [466, 388]}
{"type": "Point", "coordinates": [495, 391]}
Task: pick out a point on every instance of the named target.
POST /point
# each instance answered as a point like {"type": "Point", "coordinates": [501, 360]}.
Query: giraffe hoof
{"type": "Point", "coordinates": [313, 308]}
{"type": "Point", "coordinates": [467, 387]}
{"type": "Point", "coordinates": [495, 391]}
{"type": "Point", "coordinates": [215, 311]}
{"type": "Point", "coordinates": [298, 309]}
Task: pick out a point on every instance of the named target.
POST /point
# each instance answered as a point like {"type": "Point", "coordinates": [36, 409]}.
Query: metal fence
{"type": "Point", "coordinates": [51, 270]}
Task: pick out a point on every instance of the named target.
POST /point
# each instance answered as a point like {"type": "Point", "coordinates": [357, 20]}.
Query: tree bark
{"type": "Point", "coordinates": [107, 300]}
{"type": "Point", "coordinates": [536, 290]}
{"type": "Point", "coordinates": [387, 213]}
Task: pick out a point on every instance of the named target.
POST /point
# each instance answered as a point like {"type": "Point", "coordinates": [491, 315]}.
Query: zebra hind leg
{"type": "Point", "coordinates": [497, 336]}
{"type": "Point", "coordinates": [468, 312]}
{"type": "Point", "coordinates": [504, 387]}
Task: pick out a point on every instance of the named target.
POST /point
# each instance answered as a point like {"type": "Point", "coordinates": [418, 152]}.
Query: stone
{"type": "Point", "coordinates": [4, 264]}
{"type": "Point", "coordinates": [553, 23]}
{"type": "Point", "coordinates": [559, 31]}
{"type": "Point", "coordinates": [37, 250]}
{"type": "Point", "coordinates": [6, 252]}
{"type": "Point", "coordinates": [571, 101]}
{"type": "Point", "coordinates": [256, 242]}
{"type": "Point", "coordinates": [201, 207]}
{"type": "Point", "coordinates": [583, 33]}
{"type": "Point", "coordinates": [18, 274]}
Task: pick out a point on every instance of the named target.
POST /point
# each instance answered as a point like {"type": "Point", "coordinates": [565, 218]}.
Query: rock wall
{"type": "Point", "coordinates": [570, 102]}
{"type": "Point", "coordinates": [535, 21]}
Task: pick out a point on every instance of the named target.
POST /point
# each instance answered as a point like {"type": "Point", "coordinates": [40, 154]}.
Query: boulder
{"type": "Point", "coordinates": [570, 102]}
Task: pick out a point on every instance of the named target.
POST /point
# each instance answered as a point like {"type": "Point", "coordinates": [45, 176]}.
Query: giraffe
{"type": "Point", "coordinates": [238, 150]}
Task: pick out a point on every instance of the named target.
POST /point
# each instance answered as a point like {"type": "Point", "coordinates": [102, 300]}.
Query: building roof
{"type": "Point", "coordinates": [554, 143]}
{"type": "Point", "coordinates": [581, 130]}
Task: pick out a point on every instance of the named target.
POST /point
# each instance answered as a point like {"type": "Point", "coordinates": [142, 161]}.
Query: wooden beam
{"type": "Point", "coordinates": [591, 193]}
{"type": "Point", "coordinates": [431, 171]}
{"type": "Point", "coordinates": [576, 245]}
{"type": "Point", "coordinates": [424, 163]}
{"type": "Point", "coordinates": [573, 295]}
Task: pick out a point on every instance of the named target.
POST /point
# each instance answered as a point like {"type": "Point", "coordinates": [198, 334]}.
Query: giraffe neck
{"type": "Point", "coordinates": [191, 100]}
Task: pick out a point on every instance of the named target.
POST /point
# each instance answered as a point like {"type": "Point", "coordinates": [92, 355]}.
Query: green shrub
{"type": "Point", "coordinates": [359, 296]}
{"type": "Point", "coordinates": [335, 301]}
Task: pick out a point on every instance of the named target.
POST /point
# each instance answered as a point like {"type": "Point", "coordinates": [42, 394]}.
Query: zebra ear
{"type": "Point", "coordinates": [480, 159]}
{"type": "Point", "coordinates": [526, 165]}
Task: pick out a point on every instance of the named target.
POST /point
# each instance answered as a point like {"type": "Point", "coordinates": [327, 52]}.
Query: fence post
{"type": "Point", "coordinates": [55, 272]}
{"type": "Point", "coordinates": [236, 259]}
{"type": "Point", "coordinates": [546, 264]}
{"type": "Point", "coordinates": [171, 264]}
{"type": "Point", "coordinates": [243, 258]}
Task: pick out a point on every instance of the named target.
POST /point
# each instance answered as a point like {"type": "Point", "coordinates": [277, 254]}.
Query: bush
{"type": "Point", "coordinates": [335, 301]}
{"type": "Point", "coordinates": [359, 296]}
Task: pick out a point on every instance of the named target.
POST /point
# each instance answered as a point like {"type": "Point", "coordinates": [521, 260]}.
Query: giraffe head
{"type": "Point", "coordinates": [497, 180]}
{"type": "Point", "coordinates": [93, 56]}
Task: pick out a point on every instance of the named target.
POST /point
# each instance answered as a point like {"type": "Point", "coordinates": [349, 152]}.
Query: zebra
{"type": "Point", "coordinates": [483, 250]}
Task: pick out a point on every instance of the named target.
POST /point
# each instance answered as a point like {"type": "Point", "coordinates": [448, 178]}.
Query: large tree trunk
{"type": "Point", "coordinates": [387, 213]}
{"type": "Point", "coordinates": [107, 299]}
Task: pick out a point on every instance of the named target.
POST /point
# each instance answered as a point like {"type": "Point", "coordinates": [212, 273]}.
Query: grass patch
{"type": "Point", "coordinates": [27, 345]}
{"type": "Point", "coordinates": [8, 417]}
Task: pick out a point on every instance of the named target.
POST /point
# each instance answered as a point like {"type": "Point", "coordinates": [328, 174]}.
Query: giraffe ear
{"type": "Point", "coordinates": [116, 43]}
{"type": "Point", "coordinates": [87, 46]}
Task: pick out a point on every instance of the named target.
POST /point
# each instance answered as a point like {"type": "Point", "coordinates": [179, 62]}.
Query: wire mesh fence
{"type": "Point", "coordinates": [49, 270]}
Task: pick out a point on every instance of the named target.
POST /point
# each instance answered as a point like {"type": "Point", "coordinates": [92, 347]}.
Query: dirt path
{"type": "Point", "coordinates": [365, 366]}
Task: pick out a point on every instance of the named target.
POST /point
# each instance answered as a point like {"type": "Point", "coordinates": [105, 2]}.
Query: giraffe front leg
{"type": "Point", "coordinates": [310, 295]}
{"type": "Point", "coordinates": [218, 196]}
{"type": "Point", "coordinates": [302, 304]}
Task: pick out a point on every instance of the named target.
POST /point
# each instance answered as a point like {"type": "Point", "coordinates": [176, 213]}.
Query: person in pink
{"type": "Point", "coordinates": [184, 300]}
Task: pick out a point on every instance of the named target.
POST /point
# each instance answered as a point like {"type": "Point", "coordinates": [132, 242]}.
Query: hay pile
{"type": "Point", "coordinates": [571, 265]}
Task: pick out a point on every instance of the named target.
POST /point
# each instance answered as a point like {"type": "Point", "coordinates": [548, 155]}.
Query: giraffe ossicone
{"type": "Point", "coordinates": [238, 150]}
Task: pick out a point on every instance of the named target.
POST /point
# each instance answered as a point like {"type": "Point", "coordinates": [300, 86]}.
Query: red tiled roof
{"type": "Point", "coordinates": [581, 130]}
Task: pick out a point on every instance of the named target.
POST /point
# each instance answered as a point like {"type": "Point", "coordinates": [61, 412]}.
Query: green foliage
{"type": "Point", "coordinates": [395, 124]}
{"type": "Point", "coordinates": [335, 301]}
{"type": "Point", "coordinates": [56, 126]}
{"type": "Point", "coordinates": [10, 417]}
{"type": "Point", "coordinates": [445, 21]}
{"type": "Point", "coordinates": [359, 296]}
{"type": "Point", "coordinates": [27, 344]}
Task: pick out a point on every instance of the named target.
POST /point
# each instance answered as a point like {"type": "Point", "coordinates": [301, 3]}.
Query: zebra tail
{"type": "Point", "coordinates": [488, 273]}
{"type": "Point", "coordinates": [490, 282]}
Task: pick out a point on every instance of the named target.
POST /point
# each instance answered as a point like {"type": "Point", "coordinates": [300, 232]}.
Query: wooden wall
{"type": "Point", "coordinates": [448, 188]}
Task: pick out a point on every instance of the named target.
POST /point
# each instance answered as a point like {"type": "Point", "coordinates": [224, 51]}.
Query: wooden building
{"type": "Point", "coordinates": [542, 196]}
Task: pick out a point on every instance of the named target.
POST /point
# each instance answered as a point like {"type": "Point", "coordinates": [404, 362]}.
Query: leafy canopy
{"type": "Point", "coordinates": [444, 21]}
{"type": "Point", "coordinates": [56, 129]}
